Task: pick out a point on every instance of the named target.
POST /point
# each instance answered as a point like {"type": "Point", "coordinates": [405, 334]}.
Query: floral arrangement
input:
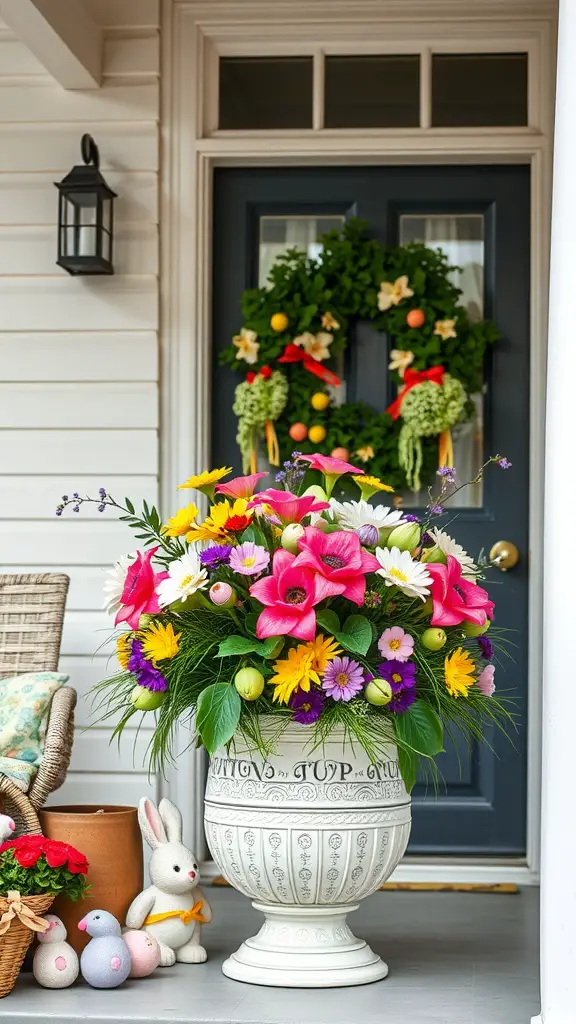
{"type": "Point", "coordinates": [287, 602]}
{"type": "Point", "coordinates": [34, 866]}
{"type": "Point", "coordinates": [297, 328]}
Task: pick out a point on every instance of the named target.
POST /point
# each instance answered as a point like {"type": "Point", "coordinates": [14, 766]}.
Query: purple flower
{"type": "Point", "coordinates": [504, 463]}
{"type": "Point", "coordinates": [102, 493]}
{"type": "Point", "coordinates": [249, 559]}
{"type": "Point", "coordinates": [402, 678]}
{"type": "Point", "coordinates": [146, 675]}
{"type": "Point", "coordinates": [426, 540]}
{"type": "Point", "coordinates": [448, 474]}
{"type": "Point", "coordinates": [280, 477]}
{"type": "Point", "coordinates": [411, 518]}
{"type": "Point", "coordinates": [307, 707]}
{"type": "Point", "coordinates": [343, 678]}
{"type": "Point", "coordinates": [215, 556]}
{"type": "Point", "coordinates": [436, 510]}
{"type": "Point", "coordinates": [368, 535]}
{"type": "Point", "coordinates": [486, 647]}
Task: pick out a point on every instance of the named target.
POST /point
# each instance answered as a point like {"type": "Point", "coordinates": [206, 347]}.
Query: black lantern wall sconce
{"type": "Point", "coordinates": [85, 216]}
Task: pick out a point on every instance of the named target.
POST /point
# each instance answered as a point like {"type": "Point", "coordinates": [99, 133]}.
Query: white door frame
{"type": "Point", "coordinates": [195, 33]}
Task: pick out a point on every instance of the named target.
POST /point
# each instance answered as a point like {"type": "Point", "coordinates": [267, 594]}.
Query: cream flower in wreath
{"type": "Point", "coordinates": [247, 344]}
{"type": "Point", "coordinates": [445, 329]}
{"type": "Point", "coordinates": [329, 322]}
{"type": "Point", "coordinates": [365, 454]}
{"type": "Point", "coordinates": [391, 294]}
{"type": "Point", "coordinates": [315, 345]}
{"type": "Point", "coordinates": [400, 360]}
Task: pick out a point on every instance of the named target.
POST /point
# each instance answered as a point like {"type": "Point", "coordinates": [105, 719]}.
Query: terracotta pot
{"type": "Point", "coordinates": [111, 840]}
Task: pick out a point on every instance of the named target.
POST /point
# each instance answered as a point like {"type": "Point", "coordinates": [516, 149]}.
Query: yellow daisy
{"type": "Point", "coordinates": [294, 672]}
{"type": "Point", "coordinates": [159, 642]}
{"type": "Point", "coordinates": [445, 329]}
{"type": "Point", "coordinates": [205, 481]}
{"type": "Point", "coordinates": [365, 454]}
{"type": "Point", "coordinates": [180, 523]}
{"type": "Point", "coordinates": [458, 673]}
{"type": "Point", "coordinates": [124, 649]}
{"type": "Point", "coordinates": [324, 651]}
{"type": "Point", "coordinates": [391, 293]}
{"type": "Point", "coordinates": [369, 485]}
{"type": "Point", "coordinates": [223, 519]}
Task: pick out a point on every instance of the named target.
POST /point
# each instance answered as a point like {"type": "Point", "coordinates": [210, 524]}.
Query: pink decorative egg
{"type": "Point", "coordinates": [144, 953]}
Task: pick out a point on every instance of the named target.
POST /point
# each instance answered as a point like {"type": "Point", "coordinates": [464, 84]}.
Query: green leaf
{"type": "Point", "coordinates": [408, 763]}
{"type": "Point", "coordinates": [356, 635]}
{"type": "Point", "coordinates": [254, 534]}
{"type": "Point", "coordinates": [420, 728]}
{"type": "Point", "coordinates": [129, 505]}
{"type": "Point", "coordinates": [237, 645]}
{"type": "Point", "coordinates": [267, 646]}
{"type": "Point", "coordinates": [250, 622]}
{"type": "Point", "coordinates": [328, 620]}
{"type": "Point", "coordinates": [217, 715]}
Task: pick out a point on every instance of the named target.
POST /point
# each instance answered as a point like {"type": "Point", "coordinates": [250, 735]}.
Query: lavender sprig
{"type": "Point", "coordinates": [149, 523]}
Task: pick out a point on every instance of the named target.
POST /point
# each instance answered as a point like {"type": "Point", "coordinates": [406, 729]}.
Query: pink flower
{"type": "Point", "coordinates": [395, 644]}
{"type": "Point", "coordinates": [339, 558]}
{"type": "Point", "coordinates": [139, 594]}
{"type": "Point", "coordinates": [455, 599]}
{"type": "Point", "coordinates": [240, 486]}
{"type": "Point", "coordinates": [485, 681]}
{"type": "Point", "coordinates": [329, 466]}
{"type": "Point", "coordinates": [289, 596]}
{"type": "Point", "coordinates": [287, 506]}
{"type": "Point", "coordinates": [249, 558]}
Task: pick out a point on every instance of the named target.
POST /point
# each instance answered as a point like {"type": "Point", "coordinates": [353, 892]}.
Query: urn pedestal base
{"type": "Point", "coordinates": [305, 947]}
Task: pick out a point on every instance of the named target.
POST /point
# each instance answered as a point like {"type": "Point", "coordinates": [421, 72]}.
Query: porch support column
{"type": "Point", "coordinates": [558, 927]}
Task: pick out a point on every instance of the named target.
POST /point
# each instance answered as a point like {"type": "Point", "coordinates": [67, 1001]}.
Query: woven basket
{"type": "Point", "coordinates": [15, 942]}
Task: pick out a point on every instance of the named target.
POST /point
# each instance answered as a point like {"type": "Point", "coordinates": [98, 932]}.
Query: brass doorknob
{"type": "Point", "coordinates": [504, 555]}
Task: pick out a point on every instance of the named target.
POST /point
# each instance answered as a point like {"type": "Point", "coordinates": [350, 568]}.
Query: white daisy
{"type": "Point", "coordinates": [185, 577]}
{"type": "Point", "coordinates": [399, 570]}
{"type": "Point", "coordinates": [449, 546]}
{"type": "Point", "coordinates": [114, 586]}
{"type": "Point", "coordinates": [351, 515]}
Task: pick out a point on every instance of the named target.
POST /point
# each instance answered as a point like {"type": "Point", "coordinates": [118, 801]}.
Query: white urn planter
{"type": "Point", "coordinates": [306, 835]}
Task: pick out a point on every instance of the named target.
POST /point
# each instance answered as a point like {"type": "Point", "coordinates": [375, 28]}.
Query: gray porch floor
{"type": "Point", "coordinates": [454, 958]}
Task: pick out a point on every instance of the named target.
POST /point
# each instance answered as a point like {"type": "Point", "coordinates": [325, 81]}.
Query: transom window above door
{"type": "Point", "coordinates": [367, 91]}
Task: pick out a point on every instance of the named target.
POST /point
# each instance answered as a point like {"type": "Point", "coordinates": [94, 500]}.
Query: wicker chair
{"type": "Point", "coordinates": [31, 617]}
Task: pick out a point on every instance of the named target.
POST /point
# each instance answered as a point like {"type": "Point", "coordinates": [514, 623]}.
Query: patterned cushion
{"type": "Point", "coordinates": [24, 705]}
{"type": "Point", "coordinates": [21, 773]}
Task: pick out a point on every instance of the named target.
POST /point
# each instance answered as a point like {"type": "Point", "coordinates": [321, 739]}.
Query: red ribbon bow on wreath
{"type": "Point", "coordinates": [295, 354]}
{"type": "Point", "coordinates": [411, 378]}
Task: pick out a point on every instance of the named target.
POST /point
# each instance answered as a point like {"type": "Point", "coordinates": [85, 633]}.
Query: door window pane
{"type": "Point", "coordinates": [461, 237]}
{"type": "Point", "coordinates": [265, 92]}
{"type": "Point", "coordinates": [372, 92]}
{"type": "Point", "coordinates": [479, 89]}
{"type": "Point", "coordinates": [278, 234]}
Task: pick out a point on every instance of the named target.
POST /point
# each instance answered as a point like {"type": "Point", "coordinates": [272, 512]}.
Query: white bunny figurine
{"type": "Point", "coordinates": [172, 909]}
{"type": "Point", "coordinates": [7, 827]}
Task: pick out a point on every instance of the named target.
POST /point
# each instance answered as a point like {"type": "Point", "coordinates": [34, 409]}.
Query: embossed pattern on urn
{"type": "Point", "coordinates": [306, 835]}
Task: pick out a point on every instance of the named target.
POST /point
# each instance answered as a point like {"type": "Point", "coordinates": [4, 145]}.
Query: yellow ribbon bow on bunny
{"type": "Point", "coordinates": [18, 909]}
{"type": "Point", "coordinates": [186, 916]}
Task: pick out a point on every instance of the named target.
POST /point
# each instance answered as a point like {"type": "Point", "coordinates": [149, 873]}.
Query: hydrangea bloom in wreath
{"type": "Point", "coordinates": [299, 326]}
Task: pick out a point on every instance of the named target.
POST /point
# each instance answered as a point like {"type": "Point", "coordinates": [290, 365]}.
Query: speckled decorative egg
{"type": "Point", "coordinates": [298, 431]}
{"type": "Point", "coordinates": [144, 953]}
{"type": "Point", "coordinates": [340, 453]}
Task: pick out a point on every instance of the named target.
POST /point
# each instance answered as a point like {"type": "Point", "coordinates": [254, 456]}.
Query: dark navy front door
{"type": "Point", "coordinates": [481, 217]}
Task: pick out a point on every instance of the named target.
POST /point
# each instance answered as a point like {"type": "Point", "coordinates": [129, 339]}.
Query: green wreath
{"type": "Point", "coordinates": [297, 327]}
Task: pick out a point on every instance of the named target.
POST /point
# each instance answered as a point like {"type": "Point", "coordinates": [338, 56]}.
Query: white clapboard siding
{"type": "Point", "coordinates": [112, 102]}
{"type": "Point", "coordinates": [130, 405]}
{"type": "Point", "coordinates": [129, 58]}
{"type": "Point", "coordinates": [88, 634]}
{"type": "Point", "coordinates": [70, 541]}
{"type": "Point", "coordinates": [100, 788]}
{"type": "Point", "coordinates": [68, 303]}
{"type": "Point", "coordinates": [36, 497]}
{"type": "Point", "coordinates": [17, 60]}
{"type": "Point", "coordinates": [53, 146]}
{"type": "Point", "coordinates": [78, 451]}
{"type": "Point", "coordinates": [30, 251]}
{"type": "Point", "coordinates": [122, 14]}
{"type": "Point", "coordinates": [33, 199]}
{"type": "Point", "coordinates": [79, 355]}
